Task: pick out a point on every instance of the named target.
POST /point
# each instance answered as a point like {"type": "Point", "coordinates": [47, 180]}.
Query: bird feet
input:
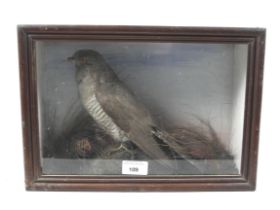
{"type": "Point", "coordinates": [122, 148]}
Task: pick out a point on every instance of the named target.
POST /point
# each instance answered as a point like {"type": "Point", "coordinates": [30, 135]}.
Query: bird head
{"type": "Point", "coordinates": [85, 56]}
{"type": "Point", "coordinates": [87, 61]}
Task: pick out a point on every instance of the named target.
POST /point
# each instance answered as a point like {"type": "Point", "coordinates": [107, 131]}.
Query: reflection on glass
{"type": "Point", "coordinates": [177, 106]}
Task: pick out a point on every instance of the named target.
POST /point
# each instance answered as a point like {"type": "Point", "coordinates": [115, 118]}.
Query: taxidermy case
{"type": "Point", "coordinates": [183, 101]}
{"type": "Point", "coordinates": [192, 91]}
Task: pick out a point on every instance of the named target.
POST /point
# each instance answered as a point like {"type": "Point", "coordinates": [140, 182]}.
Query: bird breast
{"type": "Point", "coordinates": [87, 93]}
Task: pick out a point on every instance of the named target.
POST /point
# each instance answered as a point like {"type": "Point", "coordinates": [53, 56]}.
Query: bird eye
{"type": "Point", "coordinates": [83, 60]}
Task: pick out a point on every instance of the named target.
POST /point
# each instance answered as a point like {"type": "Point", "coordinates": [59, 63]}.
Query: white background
{"type": "Point", "coordinates": [185, 13]}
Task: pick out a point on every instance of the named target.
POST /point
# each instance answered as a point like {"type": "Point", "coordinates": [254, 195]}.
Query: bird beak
{"type": "Point", "coordinates": [70, 58]}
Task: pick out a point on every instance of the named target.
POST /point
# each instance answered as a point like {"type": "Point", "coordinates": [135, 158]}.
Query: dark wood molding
{"type": "Point", "coordinates": [35, 180]}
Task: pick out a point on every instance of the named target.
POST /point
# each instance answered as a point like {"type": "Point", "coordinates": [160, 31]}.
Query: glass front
{"type": "Point", "coordinates": [140, 108]}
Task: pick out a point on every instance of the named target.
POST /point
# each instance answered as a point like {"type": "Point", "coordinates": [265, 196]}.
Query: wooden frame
{"type": "Point", "coordinates": [36, 180]}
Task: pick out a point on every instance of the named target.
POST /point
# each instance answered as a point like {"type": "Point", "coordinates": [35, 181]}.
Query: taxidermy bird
{"type": "Point", "coordinates": [114, 107]}
{"type": "Point", "coordinates": [118, 112]}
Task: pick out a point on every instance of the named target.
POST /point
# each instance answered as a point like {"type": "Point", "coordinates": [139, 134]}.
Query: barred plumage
{"type": "Point", "coordinates": [90, 102]}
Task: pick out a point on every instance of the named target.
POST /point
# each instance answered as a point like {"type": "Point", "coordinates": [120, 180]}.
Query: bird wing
{"type": "Point", "coordinates": [130, 116]}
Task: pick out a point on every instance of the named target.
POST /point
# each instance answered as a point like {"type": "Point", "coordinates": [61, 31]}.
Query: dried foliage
{"type": "Point", "coordinates": [198, 142]}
